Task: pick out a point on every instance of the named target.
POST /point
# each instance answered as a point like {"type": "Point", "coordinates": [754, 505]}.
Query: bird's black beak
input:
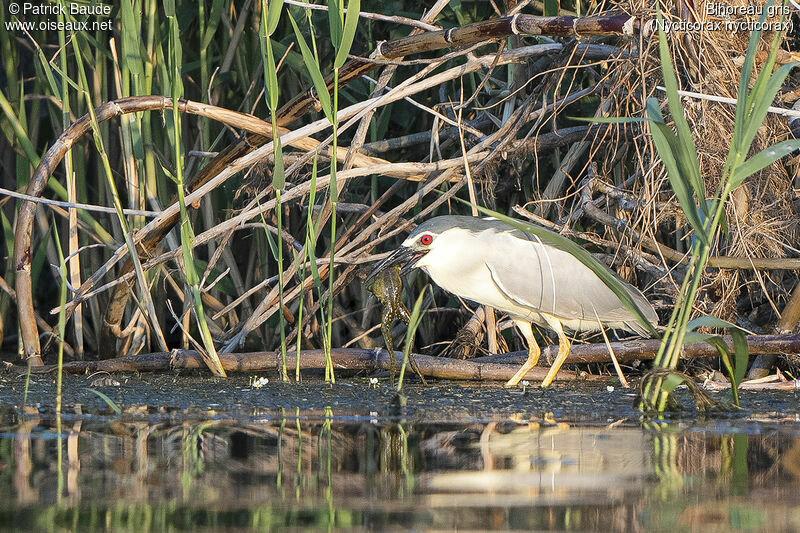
{"type": "Point", "coordinates": [407, 257]}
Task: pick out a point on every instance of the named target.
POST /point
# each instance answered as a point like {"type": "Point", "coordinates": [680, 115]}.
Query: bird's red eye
{"type": "Point", "coordinates": [426, 239]}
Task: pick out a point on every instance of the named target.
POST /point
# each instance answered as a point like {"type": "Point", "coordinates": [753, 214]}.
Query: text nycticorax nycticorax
{"type": "Point", "coordinates": [489, 262]}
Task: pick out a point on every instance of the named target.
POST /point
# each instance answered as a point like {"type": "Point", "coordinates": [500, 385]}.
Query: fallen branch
{"type": "Point", "coordinates": [343, 359]}
{"type": "Point", "coordinates": [771, 382]}
{"type": "Point", "coordinates": [492, 368]}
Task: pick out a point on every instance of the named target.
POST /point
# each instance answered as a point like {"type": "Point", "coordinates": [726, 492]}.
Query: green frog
{"type": "Point", "coordinates": [387, 286]}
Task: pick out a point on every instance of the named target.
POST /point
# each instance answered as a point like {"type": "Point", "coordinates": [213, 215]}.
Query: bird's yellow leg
{"type": "Point", "coordinates": [564, 346]}
{"type": "Point", "coordinates": [533, 352]}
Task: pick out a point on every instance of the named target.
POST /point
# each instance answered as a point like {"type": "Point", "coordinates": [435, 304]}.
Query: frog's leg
{"type": "Point", "coordinates": [414, 366]}
{"type": "Point", "coordinates": [386, 329]}
{"type": "Point", "coordinates": [411, 360]}
{"type": "Point", "coordinates": [402, 310]}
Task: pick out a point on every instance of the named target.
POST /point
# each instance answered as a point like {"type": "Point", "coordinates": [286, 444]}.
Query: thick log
{"type": "Point", "coordinates": [343, 359]}
{"type": "Point", "coordinates": [502, 28]}
{"type": "Point", "coordinates": [491, 368]}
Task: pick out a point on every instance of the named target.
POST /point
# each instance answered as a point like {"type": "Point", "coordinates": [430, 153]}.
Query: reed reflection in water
{"type": "Point", "coordinates": [320, 472]}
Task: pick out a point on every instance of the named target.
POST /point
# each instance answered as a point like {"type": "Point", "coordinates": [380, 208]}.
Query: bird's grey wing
{"type": "Point", "coordinates": [549, 280]}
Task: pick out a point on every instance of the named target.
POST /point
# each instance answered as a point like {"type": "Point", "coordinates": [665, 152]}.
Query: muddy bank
{"type": "Point", "coordinates": [195, 394]}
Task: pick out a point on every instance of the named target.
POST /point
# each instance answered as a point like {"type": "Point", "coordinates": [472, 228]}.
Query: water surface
{"type": "Point", "coordinates": [194, 453]}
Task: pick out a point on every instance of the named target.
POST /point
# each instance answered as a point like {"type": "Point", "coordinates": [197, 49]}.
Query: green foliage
{"type": "Point", "coordinates": [765, 157]}
{"type": "Point", "coordinates": [672, 382]}
{"type": "Point", "coordinates": [213, 22]}
{"type": "Point", "coordinates": [111, 403]}
{"type": "Point", "coordinates": [413, 324]}
{"type": "Point", "coordinates": [35, 95]}
{"type": "Point", "coordinates": [62, 322]}
{"type": "Point", "coordinates": [272, 13]}
{"type": "Point", "coordinates": [131, 44]}
{"type": "Point", "coordinates": [342, 36]}
{"type": "Point", "coordinates": [679, 167]}
{"type": "Point", "coordinates": [19, 129]}
{"type": "Point", "coordinates": [210, 356]}
{"type": "Point", "coordinates": [682, 146]}
{"type": "Point", "coordinates": [736, 363]}
{"type": "Point", "coordinates": [335, 11]}
{"type": "Point", "coordinates": [314, 71]}
{"type": "Point", "coordinates": [348, 34]}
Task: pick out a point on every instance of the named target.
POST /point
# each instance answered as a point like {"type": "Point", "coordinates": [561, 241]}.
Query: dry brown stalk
{"type": "Point", "coordinates": [504, 27]}
{"type": "Point", "coordinates": [471, 34]}
{"type": "Point", "coordinates": [396, 19]}
{"type": "Point", "coordinates": [621, 225]}
{"type": "Point", "coordinates": [404, 170]}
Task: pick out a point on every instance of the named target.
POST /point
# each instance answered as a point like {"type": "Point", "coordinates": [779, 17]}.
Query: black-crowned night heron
{"type": "Point", "coordinates": [492, 263]}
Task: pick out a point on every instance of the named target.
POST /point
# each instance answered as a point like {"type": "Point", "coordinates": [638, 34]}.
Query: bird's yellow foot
{"type": "Point", "coordinates": [522, 372]}
{"type": "Point", "coordinates": [563, 351]}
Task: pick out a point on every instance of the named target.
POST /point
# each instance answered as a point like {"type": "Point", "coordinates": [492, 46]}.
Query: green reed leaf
{"type": "Point", "coordinates": [335, 22]}
{"type": "Point", "coordinates": [744, 82]}
{"type": "Point", "coordinates": [130, 32]}
{"type": "Point", "coordinates": [349, 32]}
{"type": "Point", "coordinates": [686, 153]}
{"type": "Point", "coordinates": [278, 171]}
{"type": "Point", "coordinates": [752, 105]}
{"type": "Point", "coordinates": [413, 324]}
{"type": "Point", "coordinates": [114, 407]}
{"type": "Point", "coordinates": [313, 69]}
{"type": "Point", "coordinates": [736, 367]}
{"type": "Point", "coordinates": [761, 99]}
{"type": "Point", "coordinates": [213, 22]}
{"type": "Point", "coordinates": [671, 381]}
{"type": "Point", "coordinates": [273, 15]}
{"type": "Point", "coordinates": [666, 143]}
{"type": "Point", "coordinates": [762, 159]}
